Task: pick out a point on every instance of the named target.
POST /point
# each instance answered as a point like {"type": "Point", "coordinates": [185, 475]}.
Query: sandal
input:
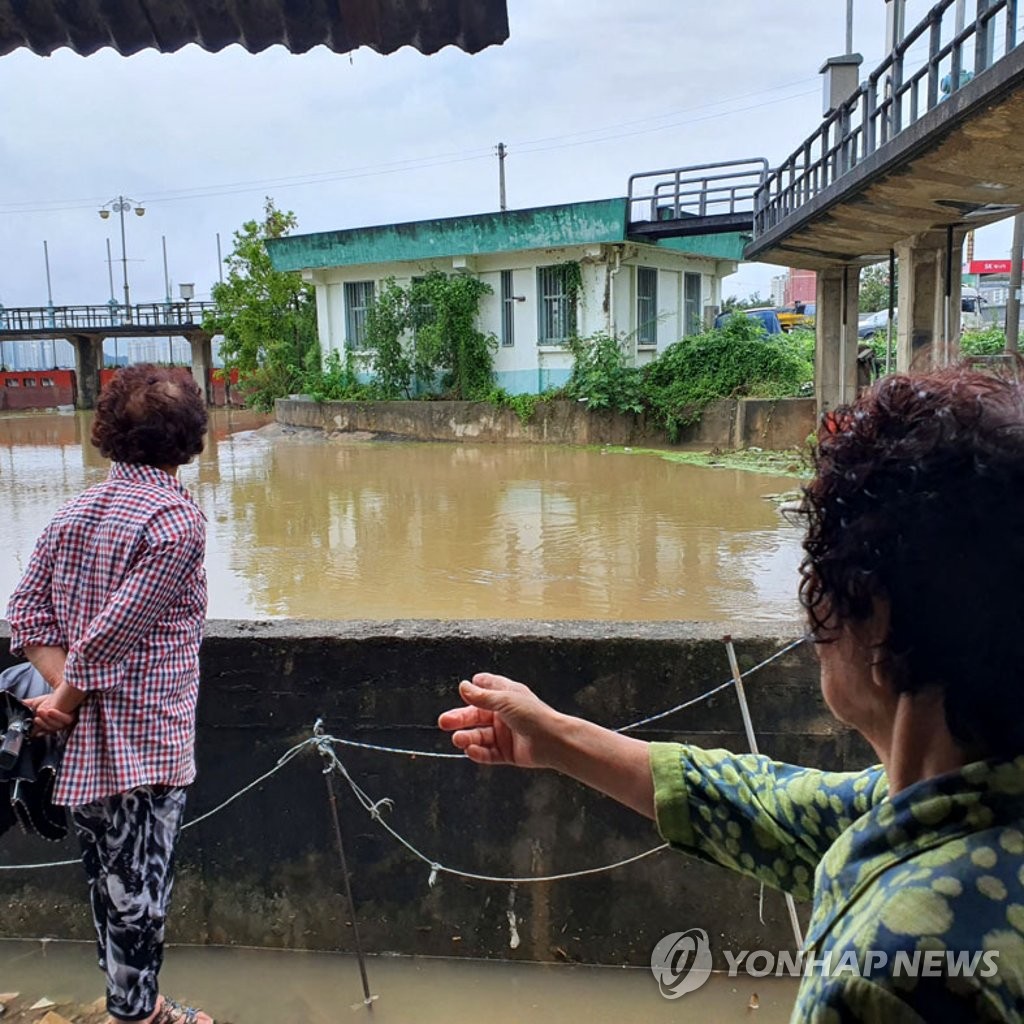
{"type": "Point", "coordinates": [172, 1012]}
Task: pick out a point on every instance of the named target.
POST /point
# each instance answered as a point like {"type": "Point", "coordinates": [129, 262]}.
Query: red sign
{"type": "Point", "coordinates": [989, 267]}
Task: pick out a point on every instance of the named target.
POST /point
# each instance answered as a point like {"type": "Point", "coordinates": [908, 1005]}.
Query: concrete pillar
{"type": "Point", "coordinates": [202, 360]}
{"type": "Point", "coordinates": [927, 330]}
{"type": "Point", "coordinates": [835, 355]}
{"type": "Point", "coordinates": [88, 362]}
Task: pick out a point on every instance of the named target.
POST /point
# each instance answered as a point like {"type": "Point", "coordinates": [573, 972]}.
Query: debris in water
{"type": "Point", "coordinates": [513, 942]}
{"type": "Point", "coordinates": [513, 939]}
{"type": "Point", "coordinates": [42, 1004]}
{"type": "Point", "coordinates": [755, 1003]}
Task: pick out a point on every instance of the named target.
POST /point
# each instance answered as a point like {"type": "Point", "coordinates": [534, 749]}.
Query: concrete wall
{"type": "Point", "coordinates": [264, 871]}
{"type": "Point", "coordinates": [764, 423]}
{"type": "Point", "coordinates": [36, 389]}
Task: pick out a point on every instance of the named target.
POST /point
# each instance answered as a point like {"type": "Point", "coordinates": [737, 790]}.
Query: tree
{"type": "Point", "coordinates": [752, 301]}
{"type": "Point", "coordinates": [446, 350]}
{"type": "Point", "coordinates": [874, 288]}
{"type": "Point", "coordinates": [267, 316]}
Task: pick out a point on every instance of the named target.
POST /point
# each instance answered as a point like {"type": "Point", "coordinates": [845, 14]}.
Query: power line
{"type": "Point", "coordinates": [565, 141]}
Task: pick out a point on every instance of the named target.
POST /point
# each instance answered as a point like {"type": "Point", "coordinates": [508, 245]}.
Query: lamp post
{"type": "Point", "coordinates": [121, 205]}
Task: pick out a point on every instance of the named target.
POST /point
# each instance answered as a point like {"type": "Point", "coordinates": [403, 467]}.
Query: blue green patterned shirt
{"type": "Point", "coordinates": [938, 868]}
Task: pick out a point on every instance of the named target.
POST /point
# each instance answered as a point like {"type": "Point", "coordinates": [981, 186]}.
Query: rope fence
{"type": "Point", "coordinates": [324, 745]}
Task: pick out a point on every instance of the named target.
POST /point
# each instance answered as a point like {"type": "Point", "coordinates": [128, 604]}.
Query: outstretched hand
{"type": "Point", "coordinates": [502, 722]}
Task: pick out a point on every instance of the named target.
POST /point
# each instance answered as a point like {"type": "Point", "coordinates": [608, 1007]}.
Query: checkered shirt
{"type": "Point", "coordinates": [117, 579]}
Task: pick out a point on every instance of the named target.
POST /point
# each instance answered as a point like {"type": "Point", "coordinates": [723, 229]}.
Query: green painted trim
{"type": "Point", "coordinates": [726, 246]}
{"type": "Point", "coordinates": [601, 221]}
{"type": "Point", "coordinates": [545, 227]}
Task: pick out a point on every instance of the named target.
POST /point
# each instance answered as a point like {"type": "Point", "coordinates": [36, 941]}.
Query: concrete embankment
{"type": "Point", "coordinates": [265, 871]}
{"type": "Point", "coordinates": [732, 423]}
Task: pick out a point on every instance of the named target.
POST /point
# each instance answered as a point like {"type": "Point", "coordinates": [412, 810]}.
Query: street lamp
{"type": "Point", "coordinates": [120, 206]}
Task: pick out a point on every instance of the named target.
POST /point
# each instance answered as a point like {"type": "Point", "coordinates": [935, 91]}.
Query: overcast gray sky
{"type": "Point", "coordinates": [584, 93]}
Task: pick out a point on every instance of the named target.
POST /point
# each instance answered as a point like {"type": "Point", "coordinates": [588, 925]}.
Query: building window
{"type": "Point", "coordinates": [30, 382]}
{"type": "Point", "coordinates": [508, 310]}
{"type": "Point", "coordinates": [46, 382]}
{"type": "Point", "coordinates": [358, 300]}
{"type": "Point", "coordinates": [11, 382]}
{"type": "Point", "coordinates": [692, 293]}
{"type": "Point", "coordinates": [556, 307]}
{"type": "Point", "coordinates": [646, 306]}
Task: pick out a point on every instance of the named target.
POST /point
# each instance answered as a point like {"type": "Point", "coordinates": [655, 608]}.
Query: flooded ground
{"type": "Point", "coordinates": [268, 987]}
{"type": "Point", "coordinates": [301, 527]}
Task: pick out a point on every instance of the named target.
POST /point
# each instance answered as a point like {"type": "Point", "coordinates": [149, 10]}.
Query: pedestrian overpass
{"type": "Point", "coordinates": [87, 327]}
{"type": "Point", "coordinates": [927, 148]}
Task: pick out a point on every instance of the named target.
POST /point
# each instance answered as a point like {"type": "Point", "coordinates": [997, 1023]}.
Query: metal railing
{"type": "Point", "coordinates": [703, 190]}
{"type": "Point", "coordinates": [900, 91]}
{"type": "Point", "coordinates": [149, 315]}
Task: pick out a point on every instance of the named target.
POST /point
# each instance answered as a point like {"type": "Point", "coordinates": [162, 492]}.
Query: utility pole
{"type": "Point", "coordinates": [220, 261]}
{"type": "Point", "coordinates": [1013, 300]}
{"type": "Point", "coordinates": [49, 289]}
{"type": "Point", "coordinates": [895, 18]}
{"type": "Point", "coordinates": [110, 274]}
{"type": "Point", "coordinates": [849, 26]}
{"type": "Point", "coordinates": [502, 152]}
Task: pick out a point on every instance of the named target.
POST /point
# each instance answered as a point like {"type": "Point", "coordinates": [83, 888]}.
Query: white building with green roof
{"type": "Point", "coordinates": [651, 293]}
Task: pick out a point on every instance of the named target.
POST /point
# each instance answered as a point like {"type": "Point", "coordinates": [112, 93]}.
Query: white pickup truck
{"type": "Point", "coordinates": [972, 316]}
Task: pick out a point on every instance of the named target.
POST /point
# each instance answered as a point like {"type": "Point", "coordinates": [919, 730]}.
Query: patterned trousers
{"type": "Point", "coordinates": [127, 843]}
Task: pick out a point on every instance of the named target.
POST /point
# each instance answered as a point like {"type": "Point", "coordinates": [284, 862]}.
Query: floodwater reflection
{"type": "Point", "coordinates": [249, 986]}
{"type": "Point", "coordinates": [302, 527]}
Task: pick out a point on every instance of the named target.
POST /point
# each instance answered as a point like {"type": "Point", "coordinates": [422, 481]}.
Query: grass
{"type": "Point", "coordinates": [792, 463]}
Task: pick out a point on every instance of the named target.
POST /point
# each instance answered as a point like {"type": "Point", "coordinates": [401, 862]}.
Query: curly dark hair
{"type": "Point", "coordinates": [150, 416]}
{"type": "Point", "coordinates": [918, 502]}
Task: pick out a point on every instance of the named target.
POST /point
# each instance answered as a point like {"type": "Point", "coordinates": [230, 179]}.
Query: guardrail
{"type": "Point", "coordinates": [900, 91]}
{"type": "Point", "coordinates": [702, 190]}
{"type": "Point", "coordinates": [90, 318]}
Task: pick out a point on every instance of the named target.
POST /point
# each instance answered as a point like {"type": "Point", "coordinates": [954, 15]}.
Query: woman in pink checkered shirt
{"type": "Point", "coordinates": [111, 612]}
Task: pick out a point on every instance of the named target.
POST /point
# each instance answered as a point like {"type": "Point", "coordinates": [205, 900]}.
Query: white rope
{"type": "Point", "coordinates": [373, 808]}
{"type": "Point", "coordinates": [319, 741]}
{"type": "Point", "coordinates": [281, 762]}
{"type": "Point", "coordinates": [394, 750]}
{"type": "Point", "coordinates": [717, 689]}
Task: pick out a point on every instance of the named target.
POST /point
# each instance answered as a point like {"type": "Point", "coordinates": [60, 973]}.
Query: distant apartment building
{"type": "Point", "coordinates": [36, 355]}
{"type": "Point", "coordinates": [649, 293]}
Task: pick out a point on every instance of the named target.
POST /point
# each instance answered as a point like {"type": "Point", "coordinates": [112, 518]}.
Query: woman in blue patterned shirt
{"type": "Point", "coordinates": [913, 581]}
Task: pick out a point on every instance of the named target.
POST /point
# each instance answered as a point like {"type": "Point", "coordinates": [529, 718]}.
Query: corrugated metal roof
{"type": "Point", "coordinates": [167, 25]}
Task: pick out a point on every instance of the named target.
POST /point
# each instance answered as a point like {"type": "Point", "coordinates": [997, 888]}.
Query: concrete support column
{"type": "Point", "coordinates": [928, 320]}
{"type": "Point", "coordinates": [202, 361]}
{"type": "Point", "coordinates": [835, 354]}
{"type": "Point", "coordinates": [88, 362]}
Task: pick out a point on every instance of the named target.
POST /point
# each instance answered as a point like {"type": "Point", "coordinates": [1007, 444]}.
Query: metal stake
{"type": "Point", "coordinates": [332, 801]}
{"type": "Point", "coordinates": [748, 726]}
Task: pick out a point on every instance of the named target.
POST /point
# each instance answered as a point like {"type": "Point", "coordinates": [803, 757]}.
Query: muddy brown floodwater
{"type": "Point", "coordinates": [244, 986]}
{"type": "Point", "coordinates": [302, 527]}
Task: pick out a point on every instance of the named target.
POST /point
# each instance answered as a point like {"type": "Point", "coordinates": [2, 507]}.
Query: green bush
{"type": "Point", "coordinates": [601, 377]}
{"type": "Point", "coordinates": [988, 342]}
{"type": "Point", "coordinates": [737, 359]}
{"type": "Point", "coordinates": [338, 381]}
{"type": "Point", "coordinates": [523, 406]}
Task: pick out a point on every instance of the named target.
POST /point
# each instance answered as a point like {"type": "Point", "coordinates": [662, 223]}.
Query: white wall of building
{"type": "Point", "coordinates": [608, 302]}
